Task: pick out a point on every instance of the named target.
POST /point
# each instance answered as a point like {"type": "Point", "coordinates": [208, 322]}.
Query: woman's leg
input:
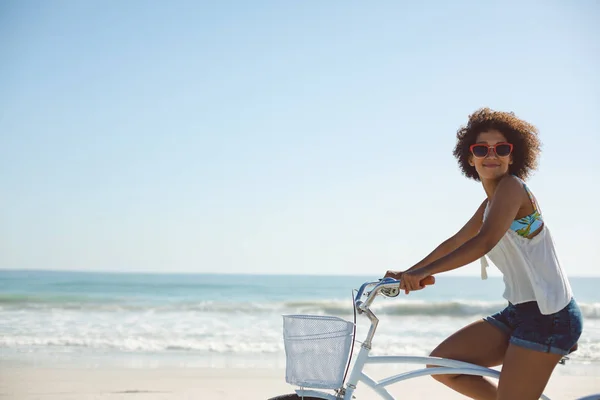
{"type": "Point", "coordinates": [525, 373]}
{"type": "Point", "coordinates": [479, 343]}
{"type": "Point", "coordinates": [527, 364]}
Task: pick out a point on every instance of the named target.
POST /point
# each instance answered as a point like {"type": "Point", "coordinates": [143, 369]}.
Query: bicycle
{"type": "Point", "coordinates": [319, 352]}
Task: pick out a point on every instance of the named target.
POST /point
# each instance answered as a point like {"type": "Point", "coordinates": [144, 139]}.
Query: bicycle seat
{"type": "Point", "coordinates": [566, 357]}
{"type": "Point", "coordinates": [574, 348]}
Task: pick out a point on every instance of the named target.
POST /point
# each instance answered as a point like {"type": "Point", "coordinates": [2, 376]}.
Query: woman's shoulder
{"type": "Point", "coordinates": [514, 178]}
{"type": "Point", "coordinates": [510, 183]}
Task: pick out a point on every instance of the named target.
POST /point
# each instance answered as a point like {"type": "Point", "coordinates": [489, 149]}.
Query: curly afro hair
{"type": "Point", "coordinates": [523, 136]}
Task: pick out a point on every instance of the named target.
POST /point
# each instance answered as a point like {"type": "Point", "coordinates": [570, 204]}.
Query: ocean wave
{"type": "Point", "coordinates": [136, 344]}
{"type": "Point", "coordinates": [451, 308]}
{"type": "Point", "coordinates": [252, 345]}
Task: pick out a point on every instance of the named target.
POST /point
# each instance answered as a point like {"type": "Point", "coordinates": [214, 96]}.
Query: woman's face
{"type": "Point", "coordinates": [491, 155]}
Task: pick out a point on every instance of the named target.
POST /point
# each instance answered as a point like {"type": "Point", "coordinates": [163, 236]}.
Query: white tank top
{"type": "Point", "coordinates": [531, 270]}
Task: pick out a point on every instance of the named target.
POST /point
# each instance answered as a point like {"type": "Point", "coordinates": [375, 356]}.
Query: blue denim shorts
{"type": "Point", "coordinates": [527, 327]}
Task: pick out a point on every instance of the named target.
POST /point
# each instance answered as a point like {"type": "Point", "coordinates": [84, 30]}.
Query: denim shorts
{"type": "Point", "coordinates": [527, 327]}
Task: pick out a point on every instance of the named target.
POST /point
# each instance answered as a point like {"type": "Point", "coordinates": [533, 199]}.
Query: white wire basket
{"type": "Point", "coordinates": [316, 350]}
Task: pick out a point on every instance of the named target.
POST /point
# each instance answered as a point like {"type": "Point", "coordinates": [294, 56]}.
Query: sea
{"type": "Point", "coordinates": [141, 320]}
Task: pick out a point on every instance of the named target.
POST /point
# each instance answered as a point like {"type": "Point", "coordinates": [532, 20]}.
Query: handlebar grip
{"type": "Point", "coordinates": [430, 280]}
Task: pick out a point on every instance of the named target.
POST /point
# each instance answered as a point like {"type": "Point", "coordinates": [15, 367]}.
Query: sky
{"type": "Point", "coordinates": [282, 137]}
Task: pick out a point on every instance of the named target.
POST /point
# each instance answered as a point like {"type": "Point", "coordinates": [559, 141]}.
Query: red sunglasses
{"type": "Point", "coordinates": [482, 150]}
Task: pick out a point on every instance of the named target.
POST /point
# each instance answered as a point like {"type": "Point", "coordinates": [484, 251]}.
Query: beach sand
{"type": "Point", "coordinates": [37, 383]}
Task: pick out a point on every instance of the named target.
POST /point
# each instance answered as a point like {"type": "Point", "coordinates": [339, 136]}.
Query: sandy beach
{"type": "Point", "coordinates": [35, 383]}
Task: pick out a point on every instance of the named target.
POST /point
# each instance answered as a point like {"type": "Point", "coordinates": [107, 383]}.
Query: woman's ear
{"type": "Point", "coordinates": [472, 164]}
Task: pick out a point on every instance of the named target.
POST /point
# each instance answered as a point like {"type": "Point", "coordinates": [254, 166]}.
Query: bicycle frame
{"type": "Point", "coordinates": [442, 365]}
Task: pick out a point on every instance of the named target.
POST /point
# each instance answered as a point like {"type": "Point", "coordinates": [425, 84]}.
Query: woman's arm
{"type": "Point", "coordinates": [469, 230]}
{"type": "Point", "coordinates": [503, 209]}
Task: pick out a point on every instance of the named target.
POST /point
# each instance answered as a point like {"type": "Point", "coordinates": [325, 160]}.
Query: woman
{"type": "Point", "coordinates": [542, 321]}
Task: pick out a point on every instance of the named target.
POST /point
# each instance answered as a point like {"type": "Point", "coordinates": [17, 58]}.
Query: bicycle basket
{"type": "Point", "coordinates": [316, 350]}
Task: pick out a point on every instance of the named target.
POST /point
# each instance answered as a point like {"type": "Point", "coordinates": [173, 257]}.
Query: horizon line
{"type": "Point", "coordinates": [96, 271]}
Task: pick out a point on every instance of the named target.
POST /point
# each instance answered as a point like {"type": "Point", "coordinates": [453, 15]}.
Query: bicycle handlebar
{"type": "Point", "coordinates": [386, 283]}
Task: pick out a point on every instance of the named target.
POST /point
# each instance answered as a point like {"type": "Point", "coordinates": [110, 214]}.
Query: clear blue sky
{"type": "Point", "coordinates": [282, 136]}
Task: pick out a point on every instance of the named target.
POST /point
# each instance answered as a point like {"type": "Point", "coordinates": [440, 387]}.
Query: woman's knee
{"type": "Point", "coordinates": [444, 351]}
{"type": "Point", "coordinates": [444, 378]}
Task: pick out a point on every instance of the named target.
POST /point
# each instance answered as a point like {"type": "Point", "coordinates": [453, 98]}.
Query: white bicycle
{"type": "Point", "coordinates": [318, 354]}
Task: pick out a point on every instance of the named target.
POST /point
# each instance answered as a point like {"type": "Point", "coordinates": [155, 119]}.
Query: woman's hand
{"type": "Point", "coordinates": [411, 280]}
{"type": "Point", "coordinates": [394, 274]}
